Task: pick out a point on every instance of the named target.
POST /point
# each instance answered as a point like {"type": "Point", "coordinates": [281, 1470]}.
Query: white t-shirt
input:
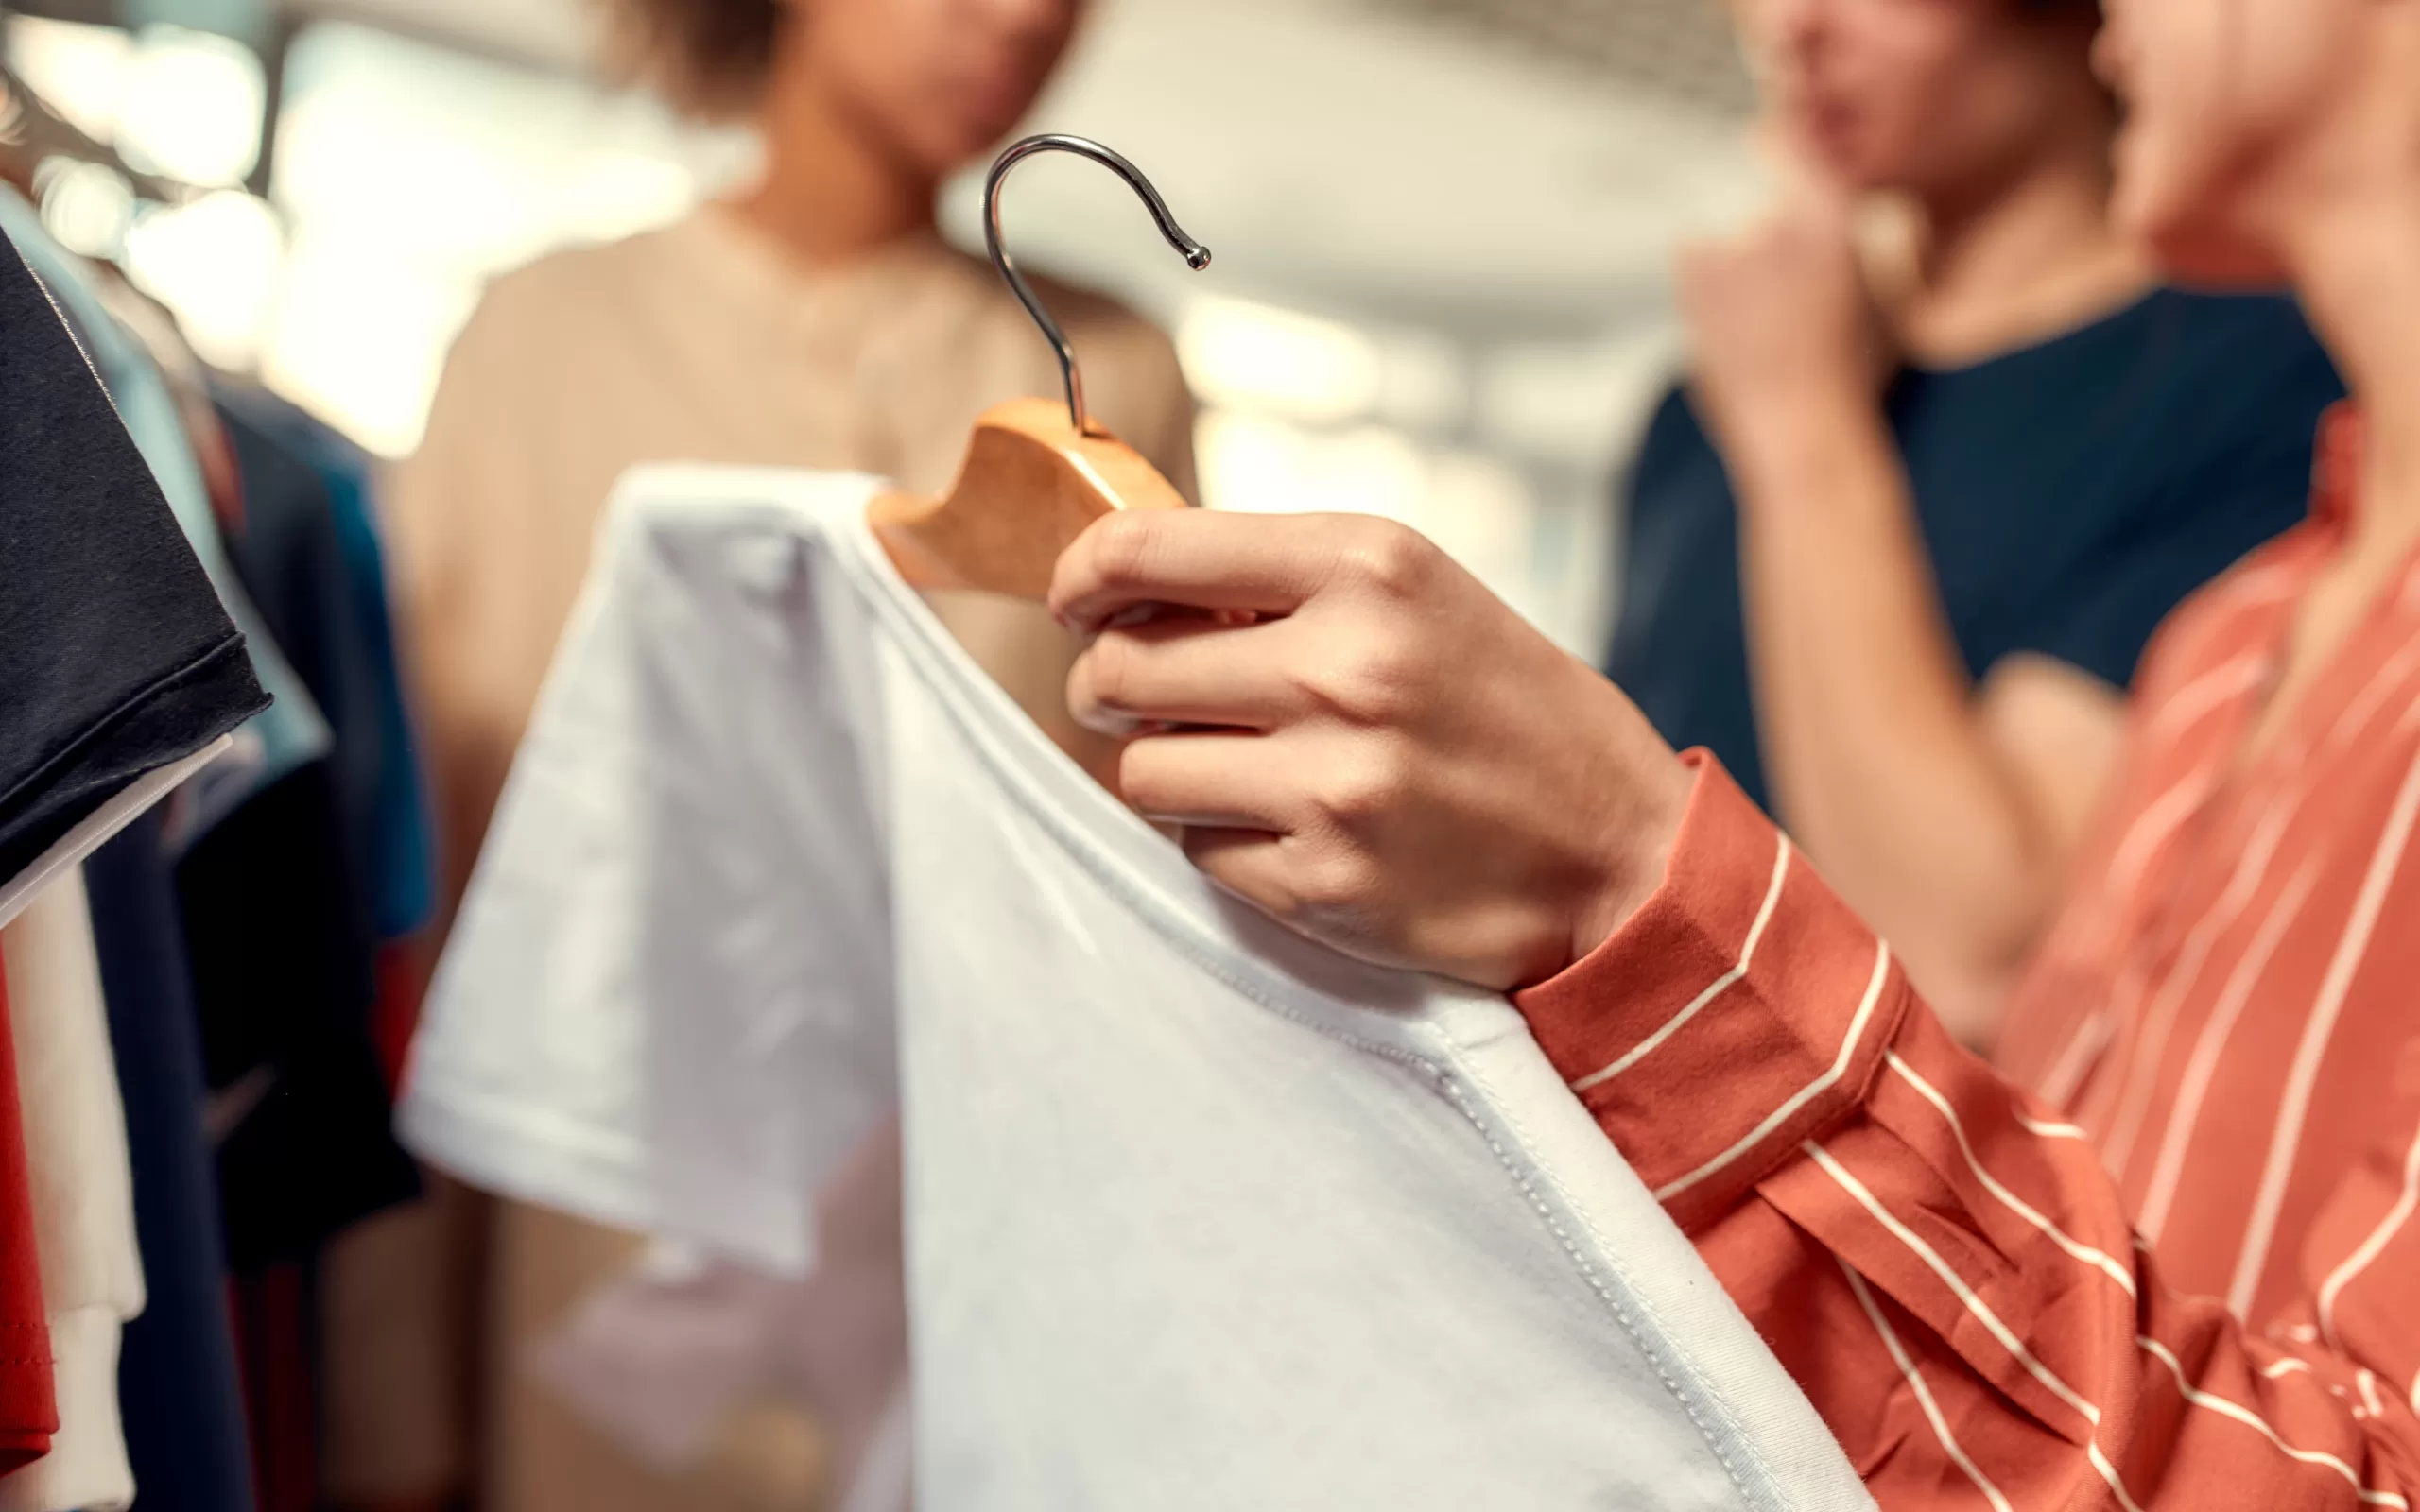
{"type": "Point", "coordinates": [1199, 1214]}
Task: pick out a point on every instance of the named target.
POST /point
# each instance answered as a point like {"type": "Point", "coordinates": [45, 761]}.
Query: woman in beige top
{"type": "Point", "coordinates": [817, 320]}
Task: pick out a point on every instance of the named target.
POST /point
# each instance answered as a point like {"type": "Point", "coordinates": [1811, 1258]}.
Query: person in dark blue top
{"type": "Point", "coordinates": [1896, 547]}
{"type": "Point", "coordinates": [2069, 495]}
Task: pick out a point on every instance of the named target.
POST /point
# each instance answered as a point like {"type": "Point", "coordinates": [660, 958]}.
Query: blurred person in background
{"type": "Point", "coordinates": [1918, 659]}
{"type": "Point", "coordinates": [815, 320]}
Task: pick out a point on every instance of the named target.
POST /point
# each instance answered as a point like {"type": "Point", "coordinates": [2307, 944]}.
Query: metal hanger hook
{"type": "Point", "coordinates": [1196, 255]}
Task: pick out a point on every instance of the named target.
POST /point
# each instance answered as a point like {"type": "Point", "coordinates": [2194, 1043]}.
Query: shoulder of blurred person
{"type": "Point", "coordinates": [2250, 372]}
{"type": "Point", "coordinates": [520, 448]}
{"type": "Point", "coordinates": [2192, 640]}
{"type": "Point", "coordinates": [1673, 436]}
{"type": "Point", "coordinates": [2224, 466]}
{"type": "Point", "coordinates": [526, 362]}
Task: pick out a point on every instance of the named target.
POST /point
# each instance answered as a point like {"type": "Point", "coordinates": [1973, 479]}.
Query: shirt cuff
{"type": "Point", "coordinates": [1741, 1010]}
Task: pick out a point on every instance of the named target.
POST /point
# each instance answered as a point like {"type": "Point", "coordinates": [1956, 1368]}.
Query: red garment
{"type": "Point", "coordinates": [28, 1405]}
{"type": "Point", "coordinates": [273, 1348]}
{"type": "Point", "coordinates": [2224, 1018]}
{"type": "Point", "coordinates": [2223, 1001]}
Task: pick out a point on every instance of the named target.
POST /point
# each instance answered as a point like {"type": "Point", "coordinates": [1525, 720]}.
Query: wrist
{"type": "Point", "coordinates": [1803, 455]}
{"type": "Point", "coordinates": [1635, 851]}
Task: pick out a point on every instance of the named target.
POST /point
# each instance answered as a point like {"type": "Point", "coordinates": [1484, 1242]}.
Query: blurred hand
{"type": "Point", "coordinates": [1782, 332]}
{"type": "Point", "coordinates": [1364, 742]}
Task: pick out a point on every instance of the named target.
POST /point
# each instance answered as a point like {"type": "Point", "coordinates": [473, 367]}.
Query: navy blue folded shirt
{"type": "Point", "coordinates": [2070, 493]}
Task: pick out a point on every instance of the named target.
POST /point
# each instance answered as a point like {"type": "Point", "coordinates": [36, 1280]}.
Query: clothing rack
{"type": "Point", "coordinates": [249, 930]}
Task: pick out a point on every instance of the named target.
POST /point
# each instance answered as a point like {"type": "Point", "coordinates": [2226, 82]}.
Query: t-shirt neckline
{"type": "Point", "coordinates": [2091, 327]}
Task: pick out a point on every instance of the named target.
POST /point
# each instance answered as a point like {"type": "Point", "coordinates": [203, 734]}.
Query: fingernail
{"type": "Point", "coordinates": [1107, 722]}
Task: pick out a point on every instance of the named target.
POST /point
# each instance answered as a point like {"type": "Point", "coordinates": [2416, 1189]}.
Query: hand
{"type": "Point", "coordinates": [1365, 743]}
{"type": "Point", "coordinates": [1783, 333]}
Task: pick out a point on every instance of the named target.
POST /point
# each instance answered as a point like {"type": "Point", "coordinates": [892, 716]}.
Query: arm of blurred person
{"type": "Point", "coordinates": [1944, 812]}
{"type": "Point", "coordinates": [1388, 760]}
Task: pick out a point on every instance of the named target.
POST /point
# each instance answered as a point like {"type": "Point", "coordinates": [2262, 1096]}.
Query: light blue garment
{"type": "Point", "coordinates": [290, 732]}
{"type": "Point", "coordinates": [1199, 1215]}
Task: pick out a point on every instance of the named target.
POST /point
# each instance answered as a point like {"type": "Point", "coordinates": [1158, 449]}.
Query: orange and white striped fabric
{"type": "Point", "coordinates": [2167, 1254]}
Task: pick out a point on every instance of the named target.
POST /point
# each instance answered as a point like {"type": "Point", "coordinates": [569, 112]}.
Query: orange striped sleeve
{"type": "Point", "coordinates": [1942, 1265]}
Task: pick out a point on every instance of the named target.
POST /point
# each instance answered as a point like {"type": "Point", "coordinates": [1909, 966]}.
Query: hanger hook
{"type": "Point", "coordinates": [1196, 255]}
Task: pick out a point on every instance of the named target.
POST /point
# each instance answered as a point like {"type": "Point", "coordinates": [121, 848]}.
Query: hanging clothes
{"type": "Point", "coordinates": [277, 858]}
{"type": "Point", "coordinates": [279, 735]}
{"type": "Point", "coordinates": [702, 339]}
{"type": "Point", "coordinates": [277, 888]}
{"type": "Point", "coordinates": [282, 905]}
{"type": "Point", "coordinates": [178, 1389]}
{"type": "Point", "coordinates": [28, 1393]}
{"type": "Point", "coordinates": [125, 676]}
{"type": "Point", "coordinates": [388, 803]}
{"type": "Point", "coordinates": [119, 660]}
{"type": "Point", "coordinates": [278, 903]}
{"type": "Point", "coordinates": [84, 1199]}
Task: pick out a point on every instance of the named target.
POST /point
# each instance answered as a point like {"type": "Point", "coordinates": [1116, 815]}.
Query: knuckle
{"type": "Point", "coordinates": [1142, 778]}
{"type": "Point", "coordinates": [1336, 879]}
{"type": "Point", "coordinates": [1363, 785]}
{"type": "Point", "coordinates": [1122, 547]}
{"type": "Point", "coordinates": [1108, 670]}
{"type": "Point", "coordinates": [1371, 679]}
{"type": "Point", "coordinates": [1390, 558]}
{"type": "Point", "coordinates": [1264, 887]}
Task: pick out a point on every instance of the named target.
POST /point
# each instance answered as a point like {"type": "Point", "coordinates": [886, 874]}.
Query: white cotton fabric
{"type": "Point", "coordinates": [83, 1197]}
{"type": "Point", "coordinates": [1200, 1216]}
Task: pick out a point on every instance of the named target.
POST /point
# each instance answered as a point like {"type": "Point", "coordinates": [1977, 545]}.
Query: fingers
{"type": "Point", "coordinates": [1303, 883]}
{"type": "Point", "coordinates": [1198, 559]}
{"type": "Point", "coordinates": [1188, 671]}
{"type": "Point", "coordinates": [1251, 864]}
{"type": "Point", "coordinates": [1206, 779]}
{"type": "Point", "coordinates": [1267, 565]}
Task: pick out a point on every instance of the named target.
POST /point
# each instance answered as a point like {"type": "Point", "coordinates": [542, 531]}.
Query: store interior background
{"type": "Point", "coordinates": [1443, 227]}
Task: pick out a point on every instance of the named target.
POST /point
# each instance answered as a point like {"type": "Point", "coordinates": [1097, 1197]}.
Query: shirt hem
{"type": "Point", "coordinates": [538, 1156]}
{"type": "Point", "coordinates": [191, 671]}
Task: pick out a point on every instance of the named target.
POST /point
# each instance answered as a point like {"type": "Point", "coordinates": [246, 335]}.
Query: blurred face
{"type": "Point", "coordinates": [940, 80]}
{"type": "Point", "coordinates": [2228, 110]}
{"type": "Point", "coordinates": [1929, 97]}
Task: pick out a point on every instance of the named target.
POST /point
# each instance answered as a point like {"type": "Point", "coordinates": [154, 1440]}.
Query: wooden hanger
{"type": "Point", "coordinates": [1032, 479]}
